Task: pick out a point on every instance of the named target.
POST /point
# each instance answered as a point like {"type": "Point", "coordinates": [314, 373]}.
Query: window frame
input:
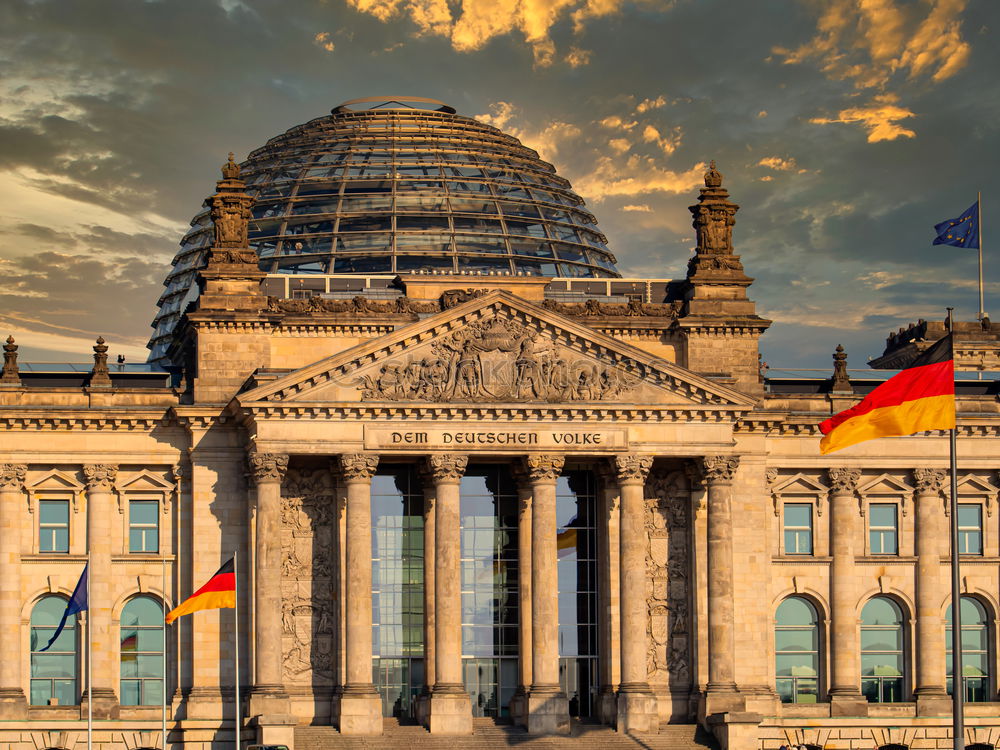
{"type": "Point", "coordinates": [987, 629]}
{"type": "Point", "coordinates": [143, 528]}
{"type": "Point", "coordinates": [815, 628]}
{"type": "Point", "coordinates": [883, 530]}
{"type": "Point", "coordinates": [904, 651]}
{"type": "Point", "coordinates": [43, 527]}
{"type": "Point", "coordinates": [963, 535]}
{"type": "Point", "coordinates": [158, 627]}
{"type": "Point", "coordinates": [73, 626]}
{"type": "Point", "coordinates": [798, 530]}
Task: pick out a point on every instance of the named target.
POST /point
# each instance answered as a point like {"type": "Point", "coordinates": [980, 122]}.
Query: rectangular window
{"type": "Point", "coordinates": [143, 526]}
{"type": "Point", "coordinates": [53, 525]}
{"type": "Point", "coordinates": [970, 529]}
{"type": "Point", "coordinates": [798, 529]}
{"type": "Point", "coordinates": [883, 534]}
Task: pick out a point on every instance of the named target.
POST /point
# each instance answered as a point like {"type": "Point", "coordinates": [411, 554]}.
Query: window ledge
{"type": "Point", "coordinates": [800, 559]}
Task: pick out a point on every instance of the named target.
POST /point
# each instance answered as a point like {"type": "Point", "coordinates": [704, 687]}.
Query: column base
{"type": "Point", "coordinates": [275, 729]}
{"type": "Point", "coordinates": [519, 707]}
{"type": "Point", "coordinates": [637, 711]}
{"type": "Point", "coordinates": [13, 704]}
{"type": "Point", "coordinates": [722, 698]}
{"type": "Point", "coordinates": [105, 703]}
{"type": "Point", "coordinates": [422, 708]}
{"type": "Point", "coordinates": [450, 711]}
{"type": "Point", "coordinates": [360, 711]}
{"type": "Point", "coordinates": [269, 700]}
{"type": "Point", "coordinates": [848, 704]}
{"type": "Point", "coordinates": [606, 705]}
{"type": "Point", "coordinates": [548, 712]}
{"type": "Point", "coordinates": [933, 703]}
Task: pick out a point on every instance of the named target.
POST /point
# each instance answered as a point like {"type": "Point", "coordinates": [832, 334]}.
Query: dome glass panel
{"type": "Point", "coordinates": [398, 186]}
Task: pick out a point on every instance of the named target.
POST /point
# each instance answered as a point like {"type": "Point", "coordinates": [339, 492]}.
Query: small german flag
{"type": "Point", "coordinates": [218, 593]}
{"type": "Point", "coordinates": [921, 397]}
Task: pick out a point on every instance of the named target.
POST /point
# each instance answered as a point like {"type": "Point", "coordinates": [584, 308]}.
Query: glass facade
{"type": "Point", "coordinates": [975, 651]}
{"type": "Point", "coordinates": [882, 642]}
{"type": "Point", "coordinates": [397, 588]}
{"type": "Point", "coordinates": [53, 672]}
{"type": "Point", "coordinates": [489, 508]}
{"type": "Point", "coordinates": [796, 651]}
{"type": "Point", "coordinates": [142, 653]}
{"type": "Point", "coordinates": [397, 190]}
{"type": "Point", "coordinates": [576, 542]}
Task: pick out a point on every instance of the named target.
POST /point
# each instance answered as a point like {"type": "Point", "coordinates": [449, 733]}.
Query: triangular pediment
{"type": "Point", "coordinates": [970, 484]}
{"type": "Point", "coordinates": [498, 348]}
{"type": "Point", "coordinates": [799, 484]}
{"type": "Point", "coordinates": [886, 485]}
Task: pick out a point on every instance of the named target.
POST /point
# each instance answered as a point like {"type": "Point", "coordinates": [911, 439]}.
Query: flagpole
{"type": "Point", "coordinates": [90, 655]}
{"type": "Point", "coordinates": [236, 614]}
{"type": "Point", "coordinates": [957, 668]}
{"type": "Point", "coordinates": [979, 208]}
{"type": "Point", "coordinates": [163, 607]}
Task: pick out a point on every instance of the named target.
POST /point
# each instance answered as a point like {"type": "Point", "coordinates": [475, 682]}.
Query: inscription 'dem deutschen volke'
{"type": "Point", "coordinates": [381, 439]}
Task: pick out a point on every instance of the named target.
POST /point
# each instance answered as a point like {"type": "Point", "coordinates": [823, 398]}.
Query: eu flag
{"type": "Point", "coordinates": [960, 232]}
{"type": "Point", "coordinates": [77, 603]}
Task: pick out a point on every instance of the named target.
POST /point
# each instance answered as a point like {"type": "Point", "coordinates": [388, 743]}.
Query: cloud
{"type": "Point", "coordinates": [640, 208]}
{"type": "Point", "coordinates": [762, 113]}
{"type": "Point", "coordinates": [647, 104]}
{"type": "Point", "coordinates": [638, 175]}
{"type": "Point", "coordinates": [323, 40]}
{"type": "Point", "coordinates": [880, 118]}
{"type": "Point", "coordinates": [778, 164]}
{"type": "Point", "coordinates": [614, 122]}
{"type": "Point", "coordinates": [471, 24]}
{"type": "Point", "coordinates": [870, 42]}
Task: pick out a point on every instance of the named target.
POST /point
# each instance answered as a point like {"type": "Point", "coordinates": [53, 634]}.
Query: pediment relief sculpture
{"type": "Point", "coordinates": [496, 360]}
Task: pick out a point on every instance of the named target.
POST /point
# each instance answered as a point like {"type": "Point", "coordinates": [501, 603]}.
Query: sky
{"type": "Point", "coordinates": [845, 129]}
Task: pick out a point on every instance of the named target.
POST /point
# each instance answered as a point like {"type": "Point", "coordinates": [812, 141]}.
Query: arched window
{"type": "Point", "coordinates": [975, 650]}
{"type": "Point", "coordinates": [53, 672]}
{"type": "Point", "coordinates": [796, 651]}
{"type": "Point", "coordinates": [142, 653]}
{"type": "Point", "coordinates": [882, 651]}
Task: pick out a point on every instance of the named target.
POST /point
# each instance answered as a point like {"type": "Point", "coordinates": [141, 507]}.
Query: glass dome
{"type": "Point", "coordinates": [399, 186]}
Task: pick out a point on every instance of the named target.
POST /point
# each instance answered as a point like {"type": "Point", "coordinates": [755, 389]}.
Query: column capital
{"type": "Point", "coordinates": [930, 481]}
{"type": "Point", "coordinates": [12, 476]}
{"type": "Point", "coordinates": [843, 481]}
{"type": "Point", "coordinates": [355, 466]}
{"type": "Point", "coordinates": [100, 477]}
{"type": "Point", "coordinates": [632, 468]}
{"type": "Point", "coordinates": [447, 467]}
{"type": "Point", "coordinates": [543, 467]}
{"type": "Point", "coordinates": [719, 469]}
{"type": "Point", "coordinates": [267, 467]}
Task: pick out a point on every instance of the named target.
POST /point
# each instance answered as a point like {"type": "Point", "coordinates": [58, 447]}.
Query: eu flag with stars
{"type": "Point", "coordinates": [960, 232]}
{"type": "Point", "coordinates": [77, 603]}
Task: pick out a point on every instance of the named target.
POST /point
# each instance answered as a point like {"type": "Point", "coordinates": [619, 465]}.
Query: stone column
{"type": "Point", "coordinates": [268, 694]}
{"type": "Point", "coordinates": [450, 710]}
{"type": "Point", "coordinates": [430, 653]}
{"type": "Point", "coordinates": [721, 692]}
{"type": "Point", "coordinates": [13, 704]}
{"type": "Point", "coordinates": [360, 705]}
{"type": "Point", "coordinates": [519, 702]}
{"type": "Point", "coordinates": [932, 697]}
{"type": "Point", "coordinates": [845, 675]}
{"type": "Point", "coordinates": [637, 706]}
{"type": "Point", "coordinates": [100, 479]}
{"type": "Point", "coordinates": [609, 593]}
{"type": "Point", "coordinates": [548, 708]}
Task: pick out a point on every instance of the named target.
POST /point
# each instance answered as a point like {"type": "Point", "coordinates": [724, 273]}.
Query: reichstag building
{"type": "Point", "coordinates": [471, 472]}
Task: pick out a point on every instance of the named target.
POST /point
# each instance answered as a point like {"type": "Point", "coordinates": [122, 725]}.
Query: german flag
{"type": "Point", "coordinates": [921, 397]}
{"type": "Point", "coordinates": [218, 593]}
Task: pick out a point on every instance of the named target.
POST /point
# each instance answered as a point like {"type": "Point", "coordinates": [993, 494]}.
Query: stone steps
{"type": "Point", "coordinates": [488, 734]}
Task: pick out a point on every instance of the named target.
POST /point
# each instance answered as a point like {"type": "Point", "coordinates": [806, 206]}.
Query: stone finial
{"type": "Point", "coordinates": [11, 375]}
{"type": "Point", "coordinates": [99, 375]}
{"type": "Point", "coordinates": [713, 177]}
{"type": "Point", "coordinates": [231, 170]}
{"type": "Point", "coordinates": [841, 382]}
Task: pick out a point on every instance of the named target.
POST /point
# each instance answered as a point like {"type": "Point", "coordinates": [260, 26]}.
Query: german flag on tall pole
{"type": "Point", "coordinates": [218, 593]}
{"type": "Point", "coordinates": [921, 397]}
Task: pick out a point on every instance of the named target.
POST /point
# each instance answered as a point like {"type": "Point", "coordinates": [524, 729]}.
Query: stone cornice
{"type": "Point", "coordinates": [70, 420]}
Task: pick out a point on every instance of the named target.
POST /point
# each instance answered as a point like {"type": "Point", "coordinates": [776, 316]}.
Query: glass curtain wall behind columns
{"type": "Point", "coordinates": [397, 588]}
{"type": "Point", "coordinates": [576, 542]}
{"type": "Point", "coordinates": [489, 588]}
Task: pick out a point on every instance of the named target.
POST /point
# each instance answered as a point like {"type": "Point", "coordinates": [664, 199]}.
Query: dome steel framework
{"type": "Point", "coordinates": [399, 186]}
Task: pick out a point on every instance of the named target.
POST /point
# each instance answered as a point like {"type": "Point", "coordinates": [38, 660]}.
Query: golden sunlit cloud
{"type": "Point", "coordinates": [323, 40]}
{"type": "Point", "coordinates": [880, 119]}
{"type": "Point", "coordinates": [647, 104]}
{"type": "Point", "coordinates": [470, 25]}
{"type": "Point", "coordinates": [778, 164]}
{"type": "Point", "coordinates": [640, 208]}
{"type": "Point", "coordinates": [762, 113]}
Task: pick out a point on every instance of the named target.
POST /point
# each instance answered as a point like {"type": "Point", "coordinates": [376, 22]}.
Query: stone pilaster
{"type": "Point", "coordinates": [360, 705]}
{"type": "Point", "coordinates": [268, 695]}
{"type": "Point", "coordinates": [609, 593]}
{"type": "Point", "coordinates": [548, 708]}
{"type": "Point", "coordinates": [100, 479]}
{"type": "Point", "coordinates": [721, 692]}
{"type": "Point", "coordinates": [845, 677]}
{"type": "Point", "coordinates": [450, 710]}
{"type": "Point", "coordinates": [637, 707]}
{"type": "Point", "coordinates": [932, 697]}
{"type": "Point", "coordinates": [12, 701]}
{"type": "Point", "coordinates": [519, 702]}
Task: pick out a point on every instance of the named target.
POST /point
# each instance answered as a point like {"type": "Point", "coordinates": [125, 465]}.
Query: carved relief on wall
{"type": "Point", "coordinates": [496, 360]}
{"type": "Point", "coordinates": [308, 608]}
{"type": "Point", "coordinates": [668, 565]}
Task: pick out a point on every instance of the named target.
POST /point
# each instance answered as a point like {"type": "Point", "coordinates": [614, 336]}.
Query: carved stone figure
{"type": "Point", "coordinates": [12, 476]}
{"type": "Point", "coordinates": [10, 375]}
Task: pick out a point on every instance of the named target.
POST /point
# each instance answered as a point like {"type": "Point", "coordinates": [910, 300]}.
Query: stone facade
{"type": "Point", "coordinates": [270, 441]}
